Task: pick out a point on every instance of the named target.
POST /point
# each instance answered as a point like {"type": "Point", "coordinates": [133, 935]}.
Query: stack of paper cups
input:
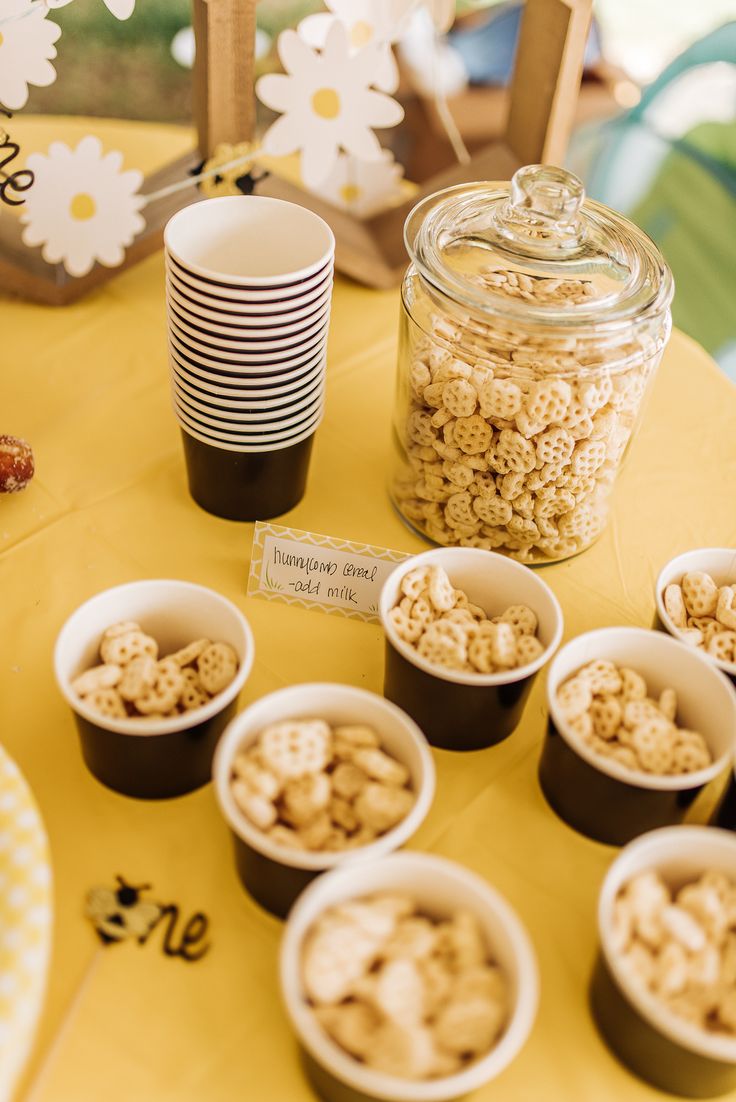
{"type": "Point", "coordinates": [248, 294]}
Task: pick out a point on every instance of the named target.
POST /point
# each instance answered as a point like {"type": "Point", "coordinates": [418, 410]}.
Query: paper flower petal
{"type": "Point", "coordinates": [121, 9]}
{"type": "Point", "coordinates": [26, 48]}
{"type": "Point", "coordinates": [282, 137]}
{"type": "Point", "coordinates": [276, 91]}
{"type": "Point", "coordinates": [82, 209]}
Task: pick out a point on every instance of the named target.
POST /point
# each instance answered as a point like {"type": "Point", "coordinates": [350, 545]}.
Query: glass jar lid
{"type": "Point", "coordinates": [538, 252]}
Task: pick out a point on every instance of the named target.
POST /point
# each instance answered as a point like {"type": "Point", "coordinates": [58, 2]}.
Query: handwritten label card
{"type": "Point", "coordinates": [319, 572]}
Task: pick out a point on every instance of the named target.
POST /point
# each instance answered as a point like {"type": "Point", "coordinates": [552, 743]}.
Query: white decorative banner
{"type": "Point", "coordinates": [319, 572]}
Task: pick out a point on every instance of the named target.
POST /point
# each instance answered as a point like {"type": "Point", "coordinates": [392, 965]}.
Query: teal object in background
{"type": "Point", "coordinates": [670, 165]}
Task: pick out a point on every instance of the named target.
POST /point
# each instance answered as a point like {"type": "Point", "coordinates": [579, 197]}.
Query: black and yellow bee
{"type": "Point", "coordinates": [119, 914]}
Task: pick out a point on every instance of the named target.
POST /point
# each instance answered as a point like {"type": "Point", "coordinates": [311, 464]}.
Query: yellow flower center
{"type": "Point", "coordinates": [82, 207]}
{"type": "Point", "coordinates": [360, 34]}
{"type": "Point", "coordinates": [1, 38]}
{"type": "Point", "coordinates": [326, 103]}
{"type": "Point", "coordinates": [349, 193]}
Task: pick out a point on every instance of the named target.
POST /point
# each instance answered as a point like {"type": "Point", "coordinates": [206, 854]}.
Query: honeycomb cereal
{"type": "Point", "coordinates": [608, 709]}
{"type": "Point", "coordinates": [322, 787]}
{"type": "Point", "coordinates": [704, 614]}
{"type": "Point", "coordinates": [449, 631]}
{"type": "Point", "coordinates": [407, 994]}
{"type": "Point", "coordinates": [679, 945]}
{"type": "Point", "coordinates": [133, 683]}
{"type": "Point", "coordinates": [550, 410]}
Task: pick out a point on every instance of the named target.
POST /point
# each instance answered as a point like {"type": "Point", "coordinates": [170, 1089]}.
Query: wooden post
{"type": "Point", "coordinates": [546, 81]}
{"type": "Point", "coordinates": [224, 101]}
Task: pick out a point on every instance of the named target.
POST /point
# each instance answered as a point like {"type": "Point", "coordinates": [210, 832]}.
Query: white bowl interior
{"type": "Point", "coordinates": [491, 581]}
{"type": "Point", "coordinates": [440, 888]}
{"type": "Point", "coordinates": [249, 238]}
{"type": "Point", "coordinates": [234, 399]}
{"type": "Point", "coordinates": [719, 562]}
{"type": "Point", "coordinates": [705, 700]}
{"type": "Point", "coordinates": [174, 613]}
{"type": "Point", "coordinates": [680, 854]}
{"type": "Point", "coordinates": [337, 704]}
{"type": "Point", "coordinates": [251, 446]}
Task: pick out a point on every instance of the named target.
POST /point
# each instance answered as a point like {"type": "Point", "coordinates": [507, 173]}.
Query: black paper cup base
{"type": "Point", "coordinates": [452, 716]}
{"type": "Point", "coordinates": [600, 806]}
{"type": "Point", "coordinates": [246, 485]}
{"type": "Point", "coordinates": [153, 767]}
{"type": "Point", "coordinates": [647, 1052]}
{"type": "Point", "coordinates": [273, 885]}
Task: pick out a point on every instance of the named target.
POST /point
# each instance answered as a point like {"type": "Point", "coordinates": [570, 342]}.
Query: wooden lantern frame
{"type": "Point", "coordinates": [543, 95]}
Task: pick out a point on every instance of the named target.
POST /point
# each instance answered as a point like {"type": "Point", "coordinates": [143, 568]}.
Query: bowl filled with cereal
{"type": "Point", "coordinates": [466, 632]}
{"type": "Point", "coordinates": [314, 775]}
{"type": "Point", "coordinates": [663, 990]}
{"type": "Point", "coordinates": [696, 603]}
{"type": "Point", "coordinates": [638, 726]}
{"type": "Point", "coordinates": [407, 979]}
{"type": "Point", "coordinates": [152, 671]}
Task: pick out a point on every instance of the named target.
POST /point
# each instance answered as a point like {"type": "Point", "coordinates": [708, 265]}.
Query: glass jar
{"type": "Point", "coordinates": [533, 322]}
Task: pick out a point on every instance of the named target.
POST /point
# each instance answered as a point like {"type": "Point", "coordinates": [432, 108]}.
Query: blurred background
{"type": "Point", "coordinates": [655, 135]}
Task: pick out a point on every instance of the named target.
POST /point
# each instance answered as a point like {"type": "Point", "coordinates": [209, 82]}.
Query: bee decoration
{"type": "Point", "coordinates": [237, 177]}
{"type": "Point", "coordinates": [119, 914]}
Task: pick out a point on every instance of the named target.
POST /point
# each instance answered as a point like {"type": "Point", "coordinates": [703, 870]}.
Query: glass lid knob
{"type": "Point", "coordinates": [543, 212]}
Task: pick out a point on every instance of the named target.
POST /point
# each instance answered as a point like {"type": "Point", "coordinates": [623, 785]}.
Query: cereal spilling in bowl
{"type": "Point", "coordinates": [609, 709]}
{"type": "Point", "coordinates": [403, 992]}
{"type": "Point", "coordinates": [681, 945]}
{"type": "Point", "coordinates": [448, 630]}
{"type": "Point", "coordinates": [704, 614]}
{"type": "Point", "coordinates": [134, 683]}
{"type": "Point", "coordinates": [310, 786]}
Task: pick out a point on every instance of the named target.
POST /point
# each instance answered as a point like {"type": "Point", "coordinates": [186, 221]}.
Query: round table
{"type": "Point", "coordinates": [88, 386]}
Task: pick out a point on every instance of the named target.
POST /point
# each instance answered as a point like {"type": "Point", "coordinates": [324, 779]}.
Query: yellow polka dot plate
{"type": "Point", "coordinates": [25, 921]}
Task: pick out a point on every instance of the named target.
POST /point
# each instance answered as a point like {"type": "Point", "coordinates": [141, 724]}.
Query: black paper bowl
{"type": "Point", "coordinates": [157, 758]}
{"type": "Point", "coordinates": [440, 888]}
{"type": "Point", "coordinates": [720, 563]}
{"type": "Point", "coordinates": [654, 1043]}
{"type": "Point", "coordinates": [601, 798]}
{"type": "Point", "coordinates": [275, 875]}
{"type": "Point", "coordinates": [468, 711]}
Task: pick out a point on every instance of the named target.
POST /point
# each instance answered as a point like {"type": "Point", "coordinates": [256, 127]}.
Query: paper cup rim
{"type": "Point", "coordinates": [377, 1084]}
{"type": "Point", "coordinates": [666, 577]}
{"type": "Point", "coordinates": [260, 399]}
{"type": "Point", "coordinates": [242, 292]}
{"type": "Point", "coordinates": [678, 1030]}
{"type": "Point", "coordinates": [143, 728]}
{"type": "Point", "coordinates": [267, 435]}
{"type": "Point", "coordinates": [230, 378]}
{"type": "Point", "coordinates": [266, 203]}
{"type": "Point", "coordinates": [231, 740]}
{"type": "Point", "coordinates": [308, 305]}
{"type": "Point", "coordinates": [244, 335]}
{"type": "Point", "coordinates": [279, 417]}
{"type": "Point", "coordinates": [652, 782]}
{"type": "Point", "coordinates": [250, 358]}
{"type": "Point", "coordinates": [252, 447]}
{"type": "Point", "coordinates": [460, 677]}
{"type": "Point", "coordinates": [260, 393]}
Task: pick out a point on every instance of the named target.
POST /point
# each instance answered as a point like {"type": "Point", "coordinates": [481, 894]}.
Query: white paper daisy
{"type": "Point", "coordinates": [82, 208]}
{"type": "Point", "coordinates": [121, 9]}
{"type": "Point", "coordinates": [26, 46]}
{"type": "Point", "coordinates": [376, 22]}
{"type": "Point", "coordinates": [363, 187]}
{"type": "Point", "coordinates": [327, 103]}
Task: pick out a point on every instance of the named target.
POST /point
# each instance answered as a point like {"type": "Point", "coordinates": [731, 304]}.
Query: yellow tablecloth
{"type": "Point", "coordinates": [87, 385]}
